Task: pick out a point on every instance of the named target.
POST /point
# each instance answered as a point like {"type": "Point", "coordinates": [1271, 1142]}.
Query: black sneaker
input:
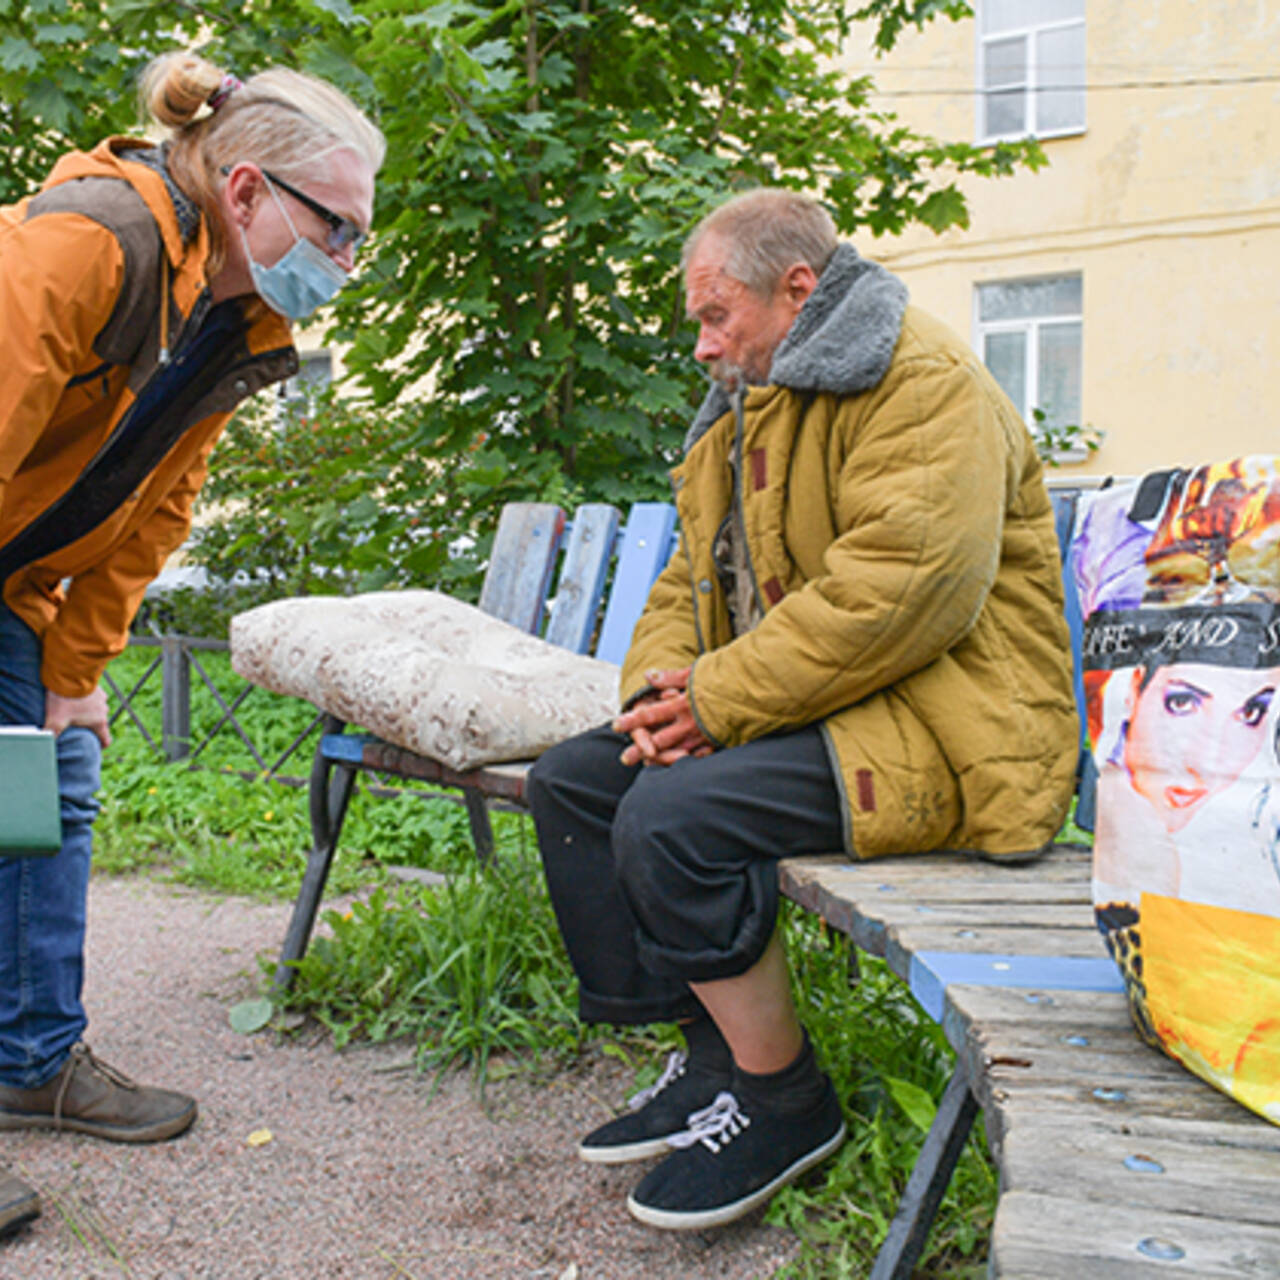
{"type": "Point", "coordinates": [657, 1113]}
{"type": "Point", "coordinates": [730, 1161]}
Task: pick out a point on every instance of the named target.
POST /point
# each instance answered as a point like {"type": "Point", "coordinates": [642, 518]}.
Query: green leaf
{"type": "Point", "coordinates": [340, 9]}
{"type": "Point", "coordinates": [17, 54]}
{"type": "Point", "coordinates": [251, 1015]}
{"type": "Point", "coordinates": [943, 209]}
{"type": "Point", "coordinates": [916, 1103]}
{"type": "Point", "coordinates": [60, 33]}
{"type": "Point", "coordinates": [49, 104]}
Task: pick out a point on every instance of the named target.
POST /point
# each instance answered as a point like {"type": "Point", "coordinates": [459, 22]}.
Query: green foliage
{"type": "Point", "coordinates": [518, 327]}
{"type": "Point", "coordinates": [892, 16]}
{"type": "Point", "coordinates": [67, 75]}
{"type": "Point", "coordinates": [328, 501]}
{"type": "Point", "coordinates": [1053, 440]}
{"type": "Point", "coordinates": [468, 970]}
{"type": "Point", "coordinates": [890, 1064]}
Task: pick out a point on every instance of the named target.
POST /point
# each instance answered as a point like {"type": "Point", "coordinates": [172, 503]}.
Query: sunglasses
{"type": "Point", "coordinates": [342, 231]}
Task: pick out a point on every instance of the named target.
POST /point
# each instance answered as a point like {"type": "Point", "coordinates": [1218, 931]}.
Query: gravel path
{"type": "Point", "coordinates": [367, 1173]}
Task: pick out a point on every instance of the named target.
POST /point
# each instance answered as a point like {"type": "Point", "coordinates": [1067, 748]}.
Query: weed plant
{"type": "Point", "coordinates": [890, 1064]}
{"type": "Point", "coordinates": [474, 973]}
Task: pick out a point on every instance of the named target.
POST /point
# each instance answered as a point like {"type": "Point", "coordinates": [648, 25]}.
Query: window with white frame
{"type": "Point", "coordinates": [1030, 335]}
{"type": "Point", "coordinates": [1031, 65]}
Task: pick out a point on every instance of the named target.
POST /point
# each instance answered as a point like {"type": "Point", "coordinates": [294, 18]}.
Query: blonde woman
{"type": "Point", "coordinates": [145, 291]}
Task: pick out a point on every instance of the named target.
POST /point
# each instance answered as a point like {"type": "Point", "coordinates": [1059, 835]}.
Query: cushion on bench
{"type": "Point", "coordinates": [425, 672]}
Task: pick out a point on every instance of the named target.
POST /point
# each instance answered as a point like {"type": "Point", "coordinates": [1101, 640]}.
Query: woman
{"type": "Point", "coordinates": [1190, 730]}
{"type": "Point", "coordinates": [144, 292]}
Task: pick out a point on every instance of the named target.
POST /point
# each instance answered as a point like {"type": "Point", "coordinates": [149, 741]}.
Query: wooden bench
{"type": "Point", "coordinates": [606, 567]}
{"type": "Point", "coordinates": [1113, 1160]}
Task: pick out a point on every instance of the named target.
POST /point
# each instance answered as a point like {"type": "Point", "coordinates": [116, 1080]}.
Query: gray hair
{"type": "Point", "coordinates": [767, 230]}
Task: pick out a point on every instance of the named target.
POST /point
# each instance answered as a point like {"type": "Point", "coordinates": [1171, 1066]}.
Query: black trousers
{"type": "Point", "coordinates": [662, 876]}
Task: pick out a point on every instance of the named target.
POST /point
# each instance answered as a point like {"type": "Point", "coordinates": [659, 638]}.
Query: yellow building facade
{"type": "Point", "coordinates": [1133, 285]}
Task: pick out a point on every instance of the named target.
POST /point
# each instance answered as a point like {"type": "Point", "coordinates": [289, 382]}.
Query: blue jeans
{"type": "Point", "coordinates": [43, 900]}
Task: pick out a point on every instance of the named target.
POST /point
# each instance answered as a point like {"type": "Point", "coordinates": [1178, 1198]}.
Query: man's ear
{"type": "Point", "coordinates": [799, 281]}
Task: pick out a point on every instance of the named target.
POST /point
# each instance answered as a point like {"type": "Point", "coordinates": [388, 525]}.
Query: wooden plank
{"type": "Point", "coordinates": [1105, 1060]}
{"type": "Point", "coordinates": [1063, 1046]}
{"type": "Point", "coordinates": [1239, 1184]}
{"type": "Point", "coordinates": [988, 893]}
{"type": "Point", "coordinates": [974, 1013]}
{"type": "Point", "coordinates": [502, 781]}
{"type": "Point", "coordinates": [1069, 864]}
{"type": "Point", "coordinates": [645, 549]}
{"type": "Point", "coordinates": [1051, 1237]}
{"type": "Point", "coordinates": [1064, 1010]}
{"type": "Point", "coordinates": [884, 907]}
{"type": "Point", "coordinates": [897, 912]}
{"type": "Point", "coordinates": [1181, 1099]}
{"type": "Point", "coordinates": [582, 576]}
{"type": "Point", "coordinates": [1233, 1128]}
{"type": "Point", "coordinates": [520, 564]}
{"type": "Point", "coordinates": [1011, 1092]}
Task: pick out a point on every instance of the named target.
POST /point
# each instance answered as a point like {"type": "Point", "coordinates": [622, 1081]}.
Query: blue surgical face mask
{"type": "Point", "coordinates": [305, 277]}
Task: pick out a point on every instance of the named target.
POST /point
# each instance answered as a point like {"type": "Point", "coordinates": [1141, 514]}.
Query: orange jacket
{"type": "Point", "coordinates": [99, 272]}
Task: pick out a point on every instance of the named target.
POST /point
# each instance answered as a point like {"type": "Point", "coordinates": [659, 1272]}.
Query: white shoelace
{"type": "Point", "coordinates": [676, 1062]}
{"type": "Point", "coordinates": [714, 1126]}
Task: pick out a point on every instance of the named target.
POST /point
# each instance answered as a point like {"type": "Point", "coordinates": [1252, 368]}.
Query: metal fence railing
{"type": "Point", "coordinates": [178, 657]}
{"type": "Point", "coordinates": [182, 675]}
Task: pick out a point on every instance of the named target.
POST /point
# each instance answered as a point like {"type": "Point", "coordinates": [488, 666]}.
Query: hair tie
{"type": "Point", "coordinates": [220, 95]}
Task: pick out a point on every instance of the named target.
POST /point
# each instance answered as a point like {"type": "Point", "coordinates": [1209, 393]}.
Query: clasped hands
{"type": "Point", "coordinates": [661, 725]}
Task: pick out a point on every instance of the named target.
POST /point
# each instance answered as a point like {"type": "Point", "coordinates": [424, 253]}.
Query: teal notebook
{"type": "Point", "coordinates": [30, 821]}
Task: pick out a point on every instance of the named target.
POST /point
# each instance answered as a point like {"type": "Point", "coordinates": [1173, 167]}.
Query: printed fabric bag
{"type": "Point", "coordinates": [1179, 581]}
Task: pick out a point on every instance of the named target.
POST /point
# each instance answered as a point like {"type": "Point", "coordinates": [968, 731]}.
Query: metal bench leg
{"type": "Point", "coordinates": [481, 828]}
{"type": "Point", "coordinates": [928, 1183]}
{"type": "Point", "coordinates": [329, 792]}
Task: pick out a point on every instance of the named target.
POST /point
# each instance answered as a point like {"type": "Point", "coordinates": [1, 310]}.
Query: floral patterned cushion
{"type": "Point", "coordinates": [425, 672]}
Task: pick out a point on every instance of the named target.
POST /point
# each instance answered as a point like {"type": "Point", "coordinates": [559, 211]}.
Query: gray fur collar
{"type": "Point", "coordinates": [841, 342]}
{"type": "Point", "coordinates": [185, 209]}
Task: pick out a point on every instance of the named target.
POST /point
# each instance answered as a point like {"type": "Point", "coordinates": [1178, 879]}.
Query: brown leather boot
{"type": "Point", "coordinates": [18, 1204]}
{"type": "Point", "coordinates": [87, 1096]}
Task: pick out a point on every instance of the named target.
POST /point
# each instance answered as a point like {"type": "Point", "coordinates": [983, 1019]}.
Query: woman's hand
{"type": "Point", "coordinates": [90, 712]}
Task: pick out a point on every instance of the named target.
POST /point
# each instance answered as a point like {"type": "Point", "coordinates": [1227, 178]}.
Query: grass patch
{"type": "Point", "coordinates": [890, 1064]}
{"type": "Point", "coordinates": [469, 969]}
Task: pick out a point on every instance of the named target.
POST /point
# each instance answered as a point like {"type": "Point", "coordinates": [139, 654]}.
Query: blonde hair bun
{"type": "Point", "coordinates": [176, 85]}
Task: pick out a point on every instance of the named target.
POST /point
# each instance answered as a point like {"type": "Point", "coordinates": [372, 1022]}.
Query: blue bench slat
{"type": "Point", "coordinates": [520, 565]}
{"type": "Point", "coordinates": [645, 550]}
{"type": "Point", "coordinates": [1065, 504]}
{"type": "Point", "coordinates": [1064, 519]}
{"type": "Point", "coordinates": [344, 748]}
{"type": "Point", "coordinates": [586, 566]}
{"type": "Point", "coordinates": [933, 971]}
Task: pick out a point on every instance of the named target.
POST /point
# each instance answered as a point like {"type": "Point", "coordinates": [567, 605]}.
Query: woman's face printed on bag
{"type": "Point", "coordinates": [1193, 729]}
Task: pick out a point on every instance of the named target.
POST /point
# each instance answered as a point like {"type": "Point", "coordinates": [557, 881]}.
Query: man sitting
{"type": "Point", "coordinates": [859, 646]}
